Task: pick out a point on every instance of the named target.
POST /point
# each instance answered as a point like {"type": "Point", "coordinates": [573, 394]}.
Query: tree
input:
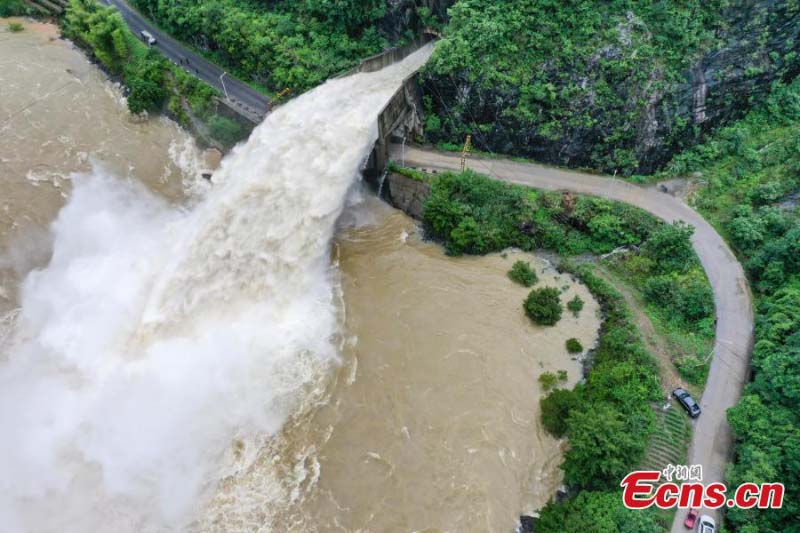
{"type": "Point", "coordinates": [670, 247]}
{"type": "Point", "coordinates": [543, 306]}
{"type": "Point", "coordinates": [145, 81]}
{"type": "Point", "coordinates": [555, 410]}
{"type": "Point", "coordinates": [102, 29]}
{"type": "Point", "coordinates": [602, 512]}
{"type": "Point", "coordinates": [603, 447]}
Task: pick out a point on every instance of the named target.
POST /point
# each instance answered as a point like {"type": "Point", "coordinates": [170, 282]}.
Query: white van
{"type": "Point", "coordinates": [148, 37]}
{"type": "Point", "coordinates": [706, 525]}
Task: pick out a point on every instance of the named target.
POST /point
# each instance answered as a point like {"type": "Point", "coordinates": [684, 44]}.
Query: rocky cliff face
{"type": "Point", "coordinates": [622, 112]}
{"type": "Point", "coordinates": [404, 16]}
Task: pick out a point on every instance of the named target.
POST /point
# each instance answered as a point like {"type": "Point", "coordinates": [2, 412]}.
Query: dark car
{"type": "Point", "coordinates": [688, 403]}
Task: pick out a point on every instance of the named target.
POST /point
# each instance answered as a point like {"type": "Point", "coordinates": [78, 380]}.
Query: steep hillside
{"type": "Point", "coordinates": [612, 85]}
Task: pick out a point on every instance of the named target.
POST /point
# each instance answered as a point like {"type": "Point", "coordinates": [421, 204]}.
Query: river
{"type": "Point", "coordinates": [423, 417]}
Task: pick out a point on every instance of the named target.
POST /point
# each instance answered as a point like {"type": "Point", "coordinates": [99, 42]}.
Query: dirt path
{"type": "Point", "coordinates": [712, 440]}
{"type": "Point", "coordinates": [657, 345]}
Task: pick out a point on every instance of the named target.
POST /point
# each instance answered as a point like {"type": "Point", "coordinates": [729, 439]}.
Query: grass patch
{"type": "Point", "coordinates": [689, 340]}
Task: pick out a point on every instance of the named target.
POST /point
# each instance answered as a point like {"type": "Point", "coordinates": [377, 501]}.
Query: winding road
{"type": "Point", "coordinates": [242, 98]}
{"type": "Point", "coordinates": [712, 441]}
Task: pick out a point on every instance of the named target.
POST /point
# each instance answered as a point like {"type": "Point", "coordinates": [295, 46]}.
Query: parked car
{"type": "Point", "coordinates": [688, 403]}
{"type": "Point", "coordinates": [706, 525]}
{"type": "Point", "coordinates": [691, 519]}
{"type": "Point", "coordinates": [148, 37]}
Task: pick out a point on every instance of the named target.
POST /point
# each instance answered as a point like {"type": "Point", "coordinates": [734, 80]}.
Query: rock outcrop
{"type": "Point", "coordinates": [403, 16]}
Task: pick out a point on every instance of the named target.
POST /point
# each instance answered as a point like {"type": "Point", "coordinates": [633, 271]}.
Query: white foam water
{"type": "Point", "coordinates": [156, 337]}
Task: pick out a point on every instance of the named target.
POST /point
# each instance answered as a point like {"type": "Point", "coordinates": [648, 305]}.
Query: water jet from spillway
{"type": "Point", "coordinates": [155, 337]}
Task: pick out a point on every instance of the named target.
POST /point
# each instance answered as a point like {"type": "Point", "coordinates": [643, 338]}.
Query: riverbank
{"type": "Point", "coordinates": [152, 83]}
{"type": "Point", "coordinates": [472, 214]}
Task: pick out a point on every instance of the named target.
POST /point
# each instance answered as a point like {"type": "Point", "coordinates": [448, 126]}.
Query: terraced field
{"type": "Point", "coordinates": [670, 440]}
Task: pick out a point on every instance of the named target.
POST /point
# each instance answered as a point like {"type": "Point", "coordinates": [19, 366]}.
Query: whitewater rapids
{"type": "Point", "coordinates": [156, 337]}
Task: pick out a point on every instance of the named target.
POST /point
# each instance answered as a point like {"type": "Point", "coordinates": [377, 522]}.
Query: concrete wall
{"type": "Point", "coordinates": [401, 116]}
{"type": "Point", "coordinates": [388, 57]}
{"type": "Point", "coordinates": [406, 194]}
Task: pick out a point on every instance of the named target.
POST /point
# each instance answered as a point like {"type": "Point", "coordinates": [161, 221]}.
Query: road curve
{"type": "Point", "coordinates": [241, 97]}
{"type": "Point", "coordinates": [712, 441]}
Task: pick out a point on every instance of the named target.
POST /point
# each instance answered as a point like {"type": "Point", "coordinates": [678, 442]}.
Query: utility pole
{"type": "Point", "coordinates": [611, 186]}
{"type": "Point", "coordinates": [223, 85]}
{"type": "Point", "coordinates": [465, 152]}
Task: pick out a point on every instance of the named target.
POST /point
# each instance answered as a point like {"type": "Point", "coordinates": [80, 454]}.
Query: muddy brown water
{"type": "Point", "coordinates": [431, 421]}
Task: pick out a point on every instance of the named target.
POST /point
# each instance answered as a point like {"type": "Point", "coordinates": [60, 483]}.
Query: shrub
{"type": "Point", "coordinates": [548, 380]}
{"type": "Point", "coordinates": [574, 345]}
{"type": "Point", "coordinates": [575, 305]}
{"type": "Point", "coordinates": [555, 410]}
{"type": "Point", "coordinates": [225, 130]}
{"type": "Point", "coordinates": [15, 27]}
{"type": "Point", "coordinates": [687, 297]}
{"type": "Point", "coordinates": [543, 306]}
{"type": "Point", "coordinates": [523, 274]}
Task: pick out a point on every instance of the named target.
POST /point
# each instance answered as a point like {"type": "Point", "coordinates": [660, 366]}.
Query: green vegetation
{"type": "Point", "coordinates": [677, 298]}
{"type": "Point", "coordinates": [543, 306]}
{"type": "Point", "coordinates": [15, 27]}
{"type": "Point", "coordinates": [227, 131]}
{"type": "Point", "coordinates": [597, 512]}
{"type": "Point", "coordinates": [670, 440]}
{"type": "Point", "coordinates": [283, 43]}
{"type": "Point", "coordinates": [522, 273]}
{"type": "Point", "coordinates": [622, 383]}
{"type": "Point", "coordinates": [151, 80]}
{"type": "Point", "coordinates": [608, 420]}
{"type": "Point", "coordinates": [752, 170]}
{"type": "Point", "coordinates": [575, 73]}
{"type": "Point", "coordinates": [473, 214]}
{"type": "Point", "coordinates": [414, 174]}
{"type": "Point", "coordinates": [548, 380]}
{"type": "Point", "coordinates": [575, 305]}
{"type": "Point", "coordinates": [574, 345]}
{"type": "Point", "coordinates": [12, 8]}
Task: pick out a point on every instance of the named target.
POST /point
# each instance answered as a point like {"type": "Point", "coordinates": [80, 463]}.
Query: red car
{"type": "Point", "coordinates": [691, 518]}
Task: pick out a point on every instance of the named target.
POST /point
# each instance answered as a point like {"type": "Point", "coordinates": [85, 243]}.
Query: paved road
{"type": "Point", "coordinates": [711, 441]}
{"type": "Point", "coordinates": [246, 100]}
